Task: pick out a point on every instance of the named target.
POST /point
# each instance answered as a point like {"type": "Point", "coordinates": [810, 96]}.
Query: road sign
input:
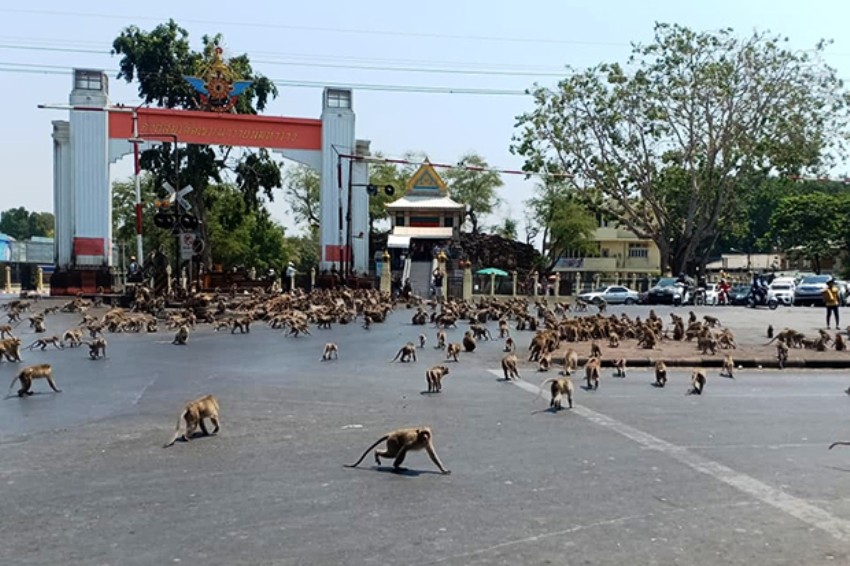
{"type": "Point", "coordinates": [187, 245]}
{"type": "Point", "coordinates": [179, 194]}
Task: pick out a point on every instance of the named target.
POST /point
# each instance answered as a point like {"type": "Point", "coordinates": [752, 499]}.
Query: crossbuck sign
{"type": "Point", "coordinates": [187, 206]}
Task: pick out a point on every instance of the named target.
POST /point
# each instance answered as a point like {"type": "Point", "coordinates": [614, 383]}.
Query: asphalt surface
{"type": "Point", "coordinates": [632, 475]}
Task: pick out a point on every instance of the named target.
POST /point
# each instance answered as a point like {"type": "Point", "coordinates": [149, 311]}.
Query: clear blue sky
{"type": "Point", "coordinates": [509, 41]}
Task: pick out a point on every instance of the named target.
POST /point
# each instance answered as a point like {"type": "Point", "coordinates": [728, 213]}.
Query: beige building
{"type": "Point", "coordinates": [619, 251]}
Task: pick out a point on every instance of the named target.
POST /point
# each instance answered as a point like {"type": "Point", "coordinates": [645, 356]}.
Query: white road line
{"type": "Point", "coordinates": [794, 506]}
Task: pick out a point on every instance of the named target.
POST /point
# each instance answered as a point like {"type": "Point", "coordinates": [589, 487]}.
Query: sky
{"type": "Point", "coordinates": [494, 48]}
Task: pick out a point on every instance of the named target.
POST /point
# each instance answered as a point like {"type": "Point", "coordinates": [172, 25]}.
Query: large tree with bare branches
{"type": "Point", "coordinates": [665, 143]}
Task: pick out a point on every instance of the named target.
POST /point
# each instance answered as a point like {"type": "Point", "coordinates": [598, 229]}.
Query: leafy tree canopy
{"type": "Point", "coordinates": [809, 225]}
{"type": "Point", "coordinates": [23, 225]}
{"type": "Point", "coordinates": [475, 188]}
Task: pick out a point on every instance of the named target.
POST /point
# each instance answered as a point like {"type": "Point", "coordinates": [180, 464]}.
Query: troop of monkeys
{"type": "Point", "coordinates": [294, 311]}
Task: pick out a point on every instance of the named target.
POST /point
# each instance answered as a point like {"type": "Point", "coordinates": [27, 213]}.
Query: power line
{"type": "Point", "coordinates": [355, 31]}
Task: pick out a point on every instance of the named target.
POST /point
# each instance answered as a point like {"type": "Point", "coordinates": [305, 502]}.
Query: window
{"type": "Point", "coordinates": [399, 219]}
{"type": "Point", "coordinates": [88, 80]}
{"type": "Point", "coordinates": [638, 250]}
{"type": "Point", "coordinates": [339, 98]}
{"type": "Point", "coordinates": [448, 221]}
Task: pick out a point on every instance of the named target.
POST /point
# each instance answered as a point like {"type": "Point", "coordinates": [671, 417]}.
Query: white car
{"type": "Point", "coordinates": [613, 295]}
{"type": "Point", "coordinates": [782, 291]}
{"type": "Point", "coordinates": [711, 292]}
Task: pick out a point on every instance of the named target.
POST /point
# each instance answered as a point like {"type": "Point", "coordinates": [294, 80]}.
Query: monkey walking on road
{"type": "Point", "coordinates": [31, 373]}
{"type": "Point", "coordinates": [193, 415]}
{"type": "Point", "coordinates": [399, 443]}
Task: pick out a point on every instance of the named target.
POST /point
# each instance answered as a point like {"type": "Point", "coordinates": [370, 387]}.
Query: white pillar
{"type": "Point", "coordinates": [337, 138]}
{"type": "Point", "coordinates": [360, 215]}
{"type": "Point", "coordinates": [63, 194]}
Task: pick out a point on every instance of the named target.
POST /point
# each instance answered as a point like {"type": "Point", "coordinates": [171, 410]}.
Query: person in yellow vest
{"type": "Point", "coordinates": [831, 300]}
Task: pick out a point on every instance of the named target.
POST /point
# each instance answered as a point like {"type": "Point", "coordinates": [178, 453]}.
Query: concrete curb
{"type": "Point", "coordinates": [761, 363]}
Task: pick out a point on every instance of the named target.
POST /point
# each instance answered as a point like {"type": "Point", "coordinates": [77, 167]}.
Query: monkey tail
{"type": "Point", "coordinates": [834, 444]}
{"type": "Point", "coordinates": [11, 385]}
{"type": "Point", "coordinates": [540, 387]}
{"type": "Point", "coordinates": [180, 421]}
{"type": "Point", "coordinates": [355, 464]}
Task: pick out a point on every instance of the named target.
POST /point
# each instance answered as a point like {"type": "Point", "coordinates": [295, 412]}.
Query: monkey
{"type": "Point", "coordinates": [660, 373]}
{"type": "Point", "coordinates": [602, 305]}
{"type": "Point", "coordinates": [559, 388]}
{"type": "Point", "coordinates": [697, 382]}
{"type": "Point", "coordinates": [221, 325]}
{"type": "Point", "coordinates": [6, 330]}
{"type": "Point", "coordinates": [193, 414]}
{"type": "Point", "coordinates": [591, 373]}
{"type": "Point", "coordinates": [243, 324]}
{"type": "Point", "coordinates": [405, 353]}
{"type": "Point", "coordinates": [834, 444]}
{"type": "Point", "coordinates": [510, 345]}
{"type": "Point", "coordinates": [692, 318]}
{"type": "Point", "coordinates": [43, 343]}
{"type": "Point", "coordinates": [367, 322]}
{"type": "Point", "coordinates": [839, 344]}
{"type": "Point", "coordinates": [711, 321]}
{"type": "Point", "coordinates": [613, 340]}
{"type": "Point", "coordinates": [331, 349]}
{"type": "Point", "coordinates": [770, 331]}
{"type": "Point", "coordinates": [570, 362]}
{"type": "Point", "coordinates": [434, 378]}
{"type": "Point", "coordinates": [39, 326]}
{"type": "Point", "coordinates": [468, 341]}
{"type": "Point", "coordinates": [399, 443]}
{"type": "Point", "coordinates": [545, 362]}
{"type": "Point", "coordinates": [728, 367]}
{"type": "Point", "coordinates": [11, 348]}
{"type": "Point", "coordinates": [595, 350]}
{"type": "Point", "coordinates": [621, 367]}
{"type": "Point", "coordinates": [30, 373]}
{"type": "Point", "coordinates": [182, 336]}
{"type": "Point", "coordinates": [781, 354]}
{"type": "Point", "coordinates": [73, 336]}
{"type": "Point", "coordinates": [509, 367]}
{"type": "Point", "coordinates": [452, 351]}
{"type": "Point", "coordinates": [504, 331]}
{"type": "Point", "coordinates": [441, 340]}
{"type": "Point", "coordinates": [422, 340]}
{"type": "Point", "coordinates": [97, 348]}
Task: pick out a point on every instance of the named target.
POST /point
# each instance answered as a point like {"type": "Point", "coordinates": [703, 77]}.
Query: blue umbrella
{"type": "Point", "coordinates": [492, 271]}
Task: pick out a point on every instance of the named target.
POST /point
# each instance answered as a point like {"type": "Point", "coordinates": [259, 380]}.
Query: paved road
{"type": "Point", "coordinates": [633, 474]}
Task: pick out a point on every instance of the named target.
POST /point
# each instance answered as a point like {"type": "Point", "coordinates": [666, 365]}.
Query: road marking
{"type": "Point", "coordinates": [794, 506]}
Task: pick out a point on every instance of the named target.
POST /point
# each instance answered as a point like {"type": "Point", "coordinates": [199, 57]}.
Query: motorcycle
{"type": "Point", "coordinates": [681, 295]}
{"type": "Point", "coordinates": [758, 297]}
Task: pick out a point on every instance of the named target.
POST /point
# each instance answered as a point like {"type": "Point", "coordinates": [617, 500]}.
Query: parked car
{"type": "Point", "coordinates": [667, 292]}
{"type": "Point", "coordinates": [810, 290]}
{"type": "Point", "coordinates": [710, 294]}
{"type": "Point", "coordinates": [738, 294]}
{"type": "Point", "coordinates": [612, 294]}
{"type": "Point", "coordinates": [782, 291]}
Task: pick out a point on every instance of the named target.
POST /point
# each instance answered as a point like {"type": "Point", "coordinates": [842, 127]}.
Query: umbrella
{"type": "Point", "coordinates": [492, 271]}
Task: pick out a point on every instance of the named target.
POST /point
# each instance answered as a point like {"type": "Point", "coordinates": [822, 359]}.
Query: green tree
{"type": "Point", "coordinates": [808, 225]}
{"type": "Point", "coordinates": [476, 188]}
{"type": "Point", "coordinates": [570, 231]}
{"type": "Point", "coordinates": [662, 149]}
{"type": "Point", "coordinates": [42, 224]}
{"type": "Point", "coordinates": [158, 60]}
{"type": "Point", "coordinates": [303, 251]}
{"type": "Point", "coordinates": [382, 174]}
{"type": "Point", "coordinates": [507, 229]}
{"type": "Point", "coordinates": [124, 217]}
{"type": "Point", "coordinates": [302, 193]}
{"type": "Point", "coordinates": [23, 225]}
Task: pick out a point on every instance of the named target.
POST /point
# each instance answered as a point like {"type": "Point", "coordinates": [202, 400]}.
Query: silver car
{"type": "Point", "coordinates": [612, 294]}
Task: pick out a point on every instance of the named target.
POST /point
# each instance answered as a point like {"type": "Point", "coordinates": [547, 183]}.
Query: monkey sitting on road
{"type": "Point", "coordinates": [570, 362]}
{"type": "Point", "coordinates": [30, 373]}
{"type": "Point", "coordinates": [595, 350]}
{"type": "Point", "coordinates": [406, 352]}
{"type": "Point", "coordinates": [441, 340]}
{"type": "Point", "coordinates": [399, 443]}
{"type": "Point", "coordinates": [468, 342]}
{"type": "Point", "coordinates": [510, 345]}
{"type": "Point", "coordinates": [559, 388]}
{"type": "Point", "coordinates": [182, 336]}
{"type": "Point", "coordinates": [509, 368]}
{"type": "Point", "coordinates": [452, 351]}
{"type": "Point", "coordinates": [331, 349]}
{"type": "Point", "coordinates": [697, 382]}
{"type": "Point", "coordinates": [620, 367]}
{"type": "Point", "coordinates": [43, 343]}
{"type": "Point", "coordinates": [728, 367]}
{"type": "Point", "coordinates": [97, 348]}
{"type": "Point", "coordinates": [839, 344]}
{"type": "Point", "coordinates": [422, 340]}
{"type": "Point", "coordinates": [193, 414]}
{"type": "Point", "coordinates": [781, 354]}
{"type": "Point", "coordinates": [591, 373]}
{"type": "Point", "coordinates": [770, 331]}
{"type": "Point", "coordinates": [613, 340]}
{"type": "Point", "coordinates": [545, 362]}
{"type": "Point", "coordinates": [434, 378]}
{"type": "Point", "coordinates": [660, 373]}
{"type": "Point", "coordinates": [367, 322]}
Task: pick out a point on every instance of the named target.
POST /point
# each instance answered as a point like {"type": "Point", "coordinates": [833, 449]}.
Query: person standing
{"type": "Point", "coordinates": [290, 273]}
{"type": "Point", "coordinates": [831, 300]}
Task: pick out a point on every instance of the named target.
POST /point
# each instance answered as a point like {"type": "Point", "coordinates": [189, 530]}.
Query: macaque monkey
{"type": "Point", "coordinates": [591, 373]}
{"type": "Point", "coordinates": [711, 321]}
{"type": "Point", "coordinates": [504, 331]}
{"type": "Point", "coordinates": [367, 322]}
{"type": "Point", "coordinates": [331, 349]}
{"type": "Point", "coordinates": [452, 351]}
{"type": "Point", "coordinates": [434, 378]}
{"type": "Point", "coordinates": [613, 340]}
{"type": "Point", "coordinates": [39, 326]}
{"type": "Point", "coordinates": [30, 373]}
{"type": "Point", "coordinates": [182, 336]}
{"type": "Point", "coordinates": [510, 345]}
{"type": "Point", "coordinates": [509, 367]}
{"type": "Point", "coordinates": [620, 367]}
{"type": "Point", "coordinates": [422, 340]}
{"type": "Point", "coordinates": [840, 344]}
{"type": "Point", "coordinates": [11, 348]}
{"type": "Point", "coordinates": [570, 362]}
{"type": "Point", "coordinates": [405, 353]}
{"type": "Point", "coordinates": [6, 330]}
{"type": "Point", "coordinates": [781, 354]}
{"type": "Point", "coordinates": [468, 341]}
{"type": "Point", "coordinates": [193, 414]}
{"type": "Point", "coordinates": [97, 348]}
{"type": "Point", "coordinates": [697, 382]}
{"type": "Point", "coordinates": [660, 373]}
{"type": "Point", "coordinates": [43, 343]}
{"type": "Point", "coordinates": [399, 443]}
{"type": "Point", "coordinates": [74, 337]}
{"type": "Point", "coordinates": [558, 388]}
{"type": "Point", "coordinates": [595, 350]}
{"type": "Point", "coordinates": [770, 331]}
{"type": "Point", "coordinates": [221, 325]}
{"type": "Point", "coordinates": [441, 340]}
{"type": "Point", "coordinates": [242, 323]}
{"type": "Point", "coordinates": [728, 367]}
{"type": "Point", "coordinates": [545, 362]}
